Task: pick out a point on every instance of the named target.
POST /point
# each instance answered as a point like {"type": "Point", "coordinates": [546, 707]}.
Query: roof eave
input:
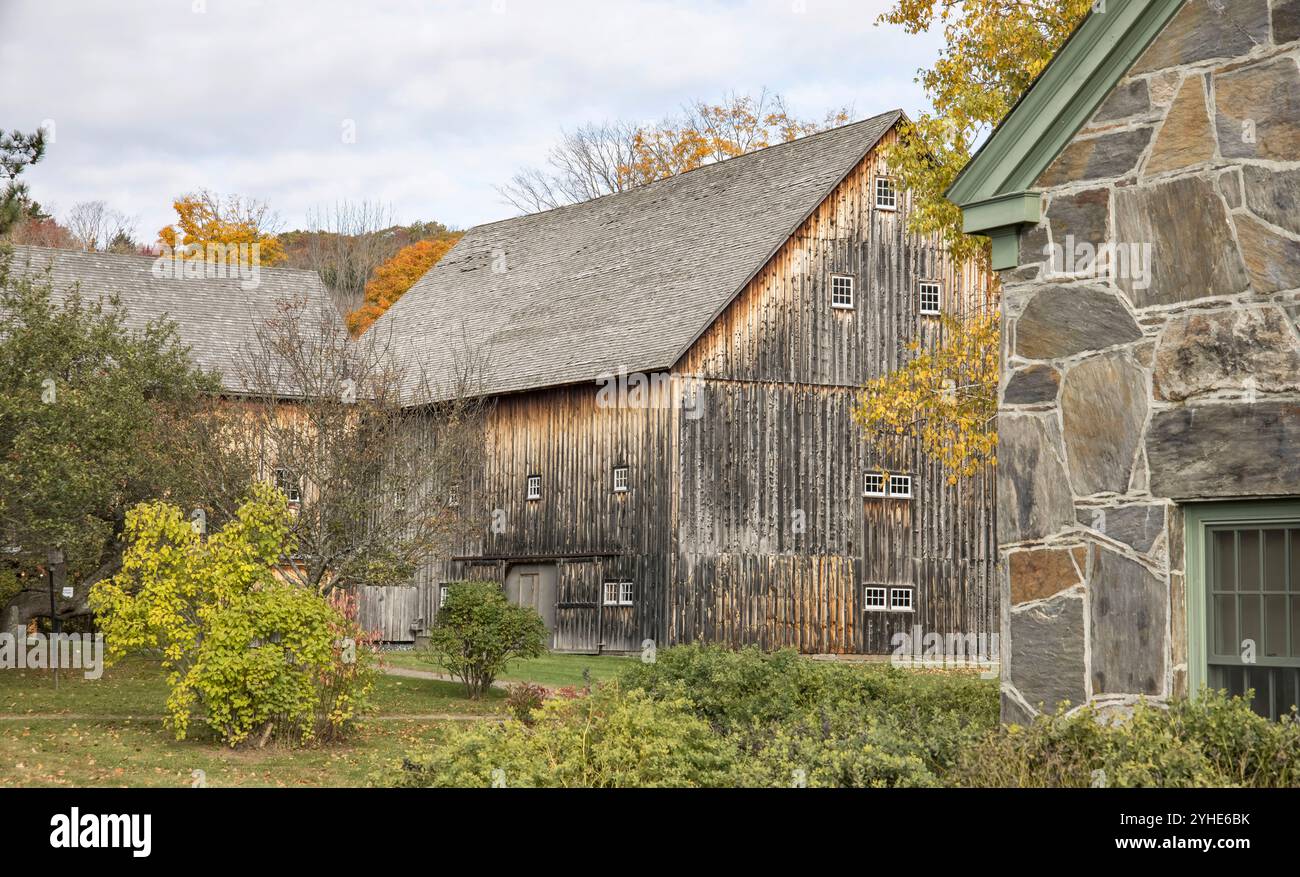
{"type": "Point", "coordinates": [995, 189]}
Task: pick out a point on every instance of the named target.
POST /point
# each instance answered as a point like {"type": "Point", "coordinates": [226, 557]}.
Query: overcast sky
{"type": "Point", "coordinates": [148, 99]}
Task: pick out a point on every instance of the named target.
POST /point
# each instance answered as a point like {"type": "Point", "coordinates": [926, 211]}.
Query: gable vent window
{"type": "Point", "coordinates": [900, 599]}
{"type": "Point", "coordinates": [842, 291]}
{"type": "Point", "coordinates": [620, 479]}
{"type": "Point", "coordinates": [931, 298]}
{"type": "Point", "coordinates": [900, 486]}
{"type": "Point", "coordinates": [875, 598]}
{"type": "Point", "coordinates": [874, 484]}
{"type": "Point", "coordinates": [534, 487]}
{"type": "Point", "coordinates": [886, 194]}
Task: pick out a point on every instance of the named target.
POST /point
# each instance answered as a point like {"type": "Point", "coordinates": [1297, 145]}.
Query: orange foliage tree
{"type": "Point", "coordinates": [204, 218]}
{"type": "Point", "coordinates": [396, 276]}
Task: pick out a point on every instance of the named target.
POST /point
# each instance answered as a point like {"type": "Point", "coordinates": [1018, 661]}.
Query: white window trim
{"type": "Point", "coordinates": [893, 603]}
{"type": "Point", "coordinates": [884, 485]}
{"type": "Point", "coordinates": [853, 292]}
{"type": "Point", "coordinates": [630, 590]}
{"type": "Point", "coordinates": [624, 471]}
{"type": "Point", "coordinates": [920, 298]}
{"type": "Point", "coordinates": [533, 490]}
{"type": "Point", "coordinates": [900, 494]}
{"type": "Point", "coordinates": [609, 594]}
{"type": "Point", "coordinates": [882, 606]}
{"type": "Point", "coordinates": [442, 595]}
{"type": "Point", "coordinates": [876, 192]}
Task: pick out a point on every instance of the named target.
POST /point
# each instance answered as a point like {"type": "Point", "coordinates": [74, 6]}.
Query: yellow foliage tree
{"type": "Point", "coordinates": [945, 397]}
{"type": "Point", "coordinates": [993, 50]}
{"type": "Point", "coordinates": [204, 218]}
{"type": "Point", "coordinates": [396, 276]}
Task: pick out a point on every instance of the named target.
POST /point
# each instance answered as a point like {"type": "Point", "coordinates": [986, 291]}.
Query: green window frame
{"type": "Point", "coordinates": [1240, 574]}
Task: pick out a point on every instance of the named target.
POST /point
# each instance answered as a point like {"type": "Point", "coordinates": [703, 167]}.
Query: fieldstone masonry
{"type": "Point", "coordinates": [1152, 353]}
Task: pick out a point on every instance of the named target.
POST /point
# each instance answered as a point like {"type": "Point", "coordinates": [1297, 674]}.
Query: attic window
{"type": "Point", "coordinates": [534, 487]}
{"type": "Point", "coordinates": [842, 291]}
{"type": "Point", "coordinates": [886, 194]}
{"type": "Point", "coordinates": [931, 298]}
{"type": "Point", "coordinates": [620, 479]}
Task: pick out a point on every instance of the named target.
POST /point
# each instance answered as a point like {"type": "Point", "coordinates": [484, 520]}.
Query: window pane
{"type": "Point", "coordinates": [1295, 627]}
{"type": "Point", "coordinates": [1275, 609]}
{"type": "Point", "coordinates": [1248, 571]}
{"type": "Point", "coordinates": [1275, 560]}
{"type": "Point", "coordinates": [1251, 626]}
{"type": "Point", "coordinates": [1225, 626]}
{"type": "Point", "coordinates": [1258, 678]}
{"type": "Point", "coordinates": [1225, 561]}
{"type": "Point", "coordinates": [1295, 561]}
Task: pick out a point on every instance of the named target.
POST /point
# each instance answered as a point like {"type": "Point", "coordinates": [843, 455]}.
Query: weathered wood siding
{"type": "Point", "coordinates": [776, 447]}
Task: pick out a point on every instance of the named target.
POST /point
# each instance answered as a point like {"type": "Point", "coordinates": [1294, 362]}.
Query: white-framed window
{"type": "Point", "coordinates": [618, 594]}
{"type": "Point", "coordinates": [900, 486]}
{"type": "Point", "coordinates": [534, 487]}
{"type": "Point", "coordinates": [886, 193]}
{"type": "Point", "coordinates": [900, 599]}
{"type": "Point", "coordinates": [874, 484]}
{"type": "Point", "coordinates": [442, 595]}
{"type": "Point", "coordinates": [842, 291]}
{"type": "Point", "coordinates": [620, 479]}
{"type": "Point", "coordinates": [875, 598]}
{"type": "Point", "coordinates": [611, 594]}
{"type": "Point", "coordinates": [930, 294]}
{"type": "Point", "coordinates": [625, 593]}
{"type": "Point", "coordinates": [287, 483]}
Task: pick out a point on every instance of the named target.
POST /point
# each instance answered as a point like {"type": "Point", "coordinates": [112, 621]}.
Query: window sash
{"type": "Point", "coordinates": [874, 484]}
{"type": "Point", "coordinates": [900, 486]}
{"type": "Point", "coordinates": [620, 479]}
{"type": "Point", "coordinates": [875, 598]}
{"type": "Point", "coordinates": [931, 298]}
{"type": "Point", "coordinates": [900, 600]}
{"type": "Point", "coordinates": [534, 487]}
{"type": "Point", "coordinates": [610, 594]}
{"type": "Point", "coordinates": [625, 594]}
{"type": "Point", "coordinates": [886, 193]}
{"type": "Point", "coordinates": [842, 291]}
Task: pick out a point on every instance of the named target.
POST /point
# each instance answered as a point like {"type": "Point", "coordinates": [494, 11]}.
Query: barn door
{"type": "Point", "coordinates": [533, 585]}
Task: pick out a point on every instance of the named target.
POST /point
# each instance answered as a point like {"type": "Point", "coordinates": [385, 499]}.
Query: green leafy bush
{"type": "Point", "coordinates": [1211, 741]}
{"type": "Point", "coordinates": [755, 719]}
{"type": "Point", "coordinates": [244, 651]}
{"type": "Point", "coordinates": [614, 738]}
{"type": "Point", "coordinates": [478, 632]}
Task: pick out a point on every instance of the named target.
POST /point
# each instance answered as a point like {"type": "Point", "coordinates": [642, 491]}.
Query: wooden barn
{"type": "Point", "coordinates": [671, 454]}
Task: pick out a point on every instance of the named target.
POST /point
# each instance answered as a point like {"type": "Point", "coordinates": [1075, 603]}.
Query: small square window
{"type": "Point", "coordinates": [931, 296]}
{"type": "Point", "coordinates": [876, 598]}
{"type": "Point", "coordinates": [886, 194]}
{"type": "Point", "coordinates": [287, 483]}
{"type": "Point", "coordinates": [620, 479]}
{"type": "Point", "coordinates": [900, 599]}
{"type": "Point", "coordinates": [611, 594]}
{"type": "Point", "coordinates": [842, 291]}
{"type": "Point", "coordinates": [900, 486]}
{"type": "Point", "coordinates": [874, 484]}
{"type": "Point", "coordinates": [534, 487]}
{"type": "Point", "coordinates": [625, 593]}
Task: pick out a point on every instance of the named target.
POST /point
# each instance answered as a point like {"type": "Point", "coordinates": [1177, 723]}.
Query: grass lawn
{"type": "Point", "coordinates": [551, 670]}
{"type": "Point", "coordinates": [108, 732]}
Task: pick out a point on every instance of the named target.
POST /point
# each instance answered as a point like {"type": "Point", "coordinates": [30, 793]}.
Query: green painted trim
{"type": "Point", "coordinates": [1062, 99]}
{"type": "Point", "coordinates": [1018, 208]}
{"type": "Point", "coordinates": [1006, 247]}
{"type": "Point", "coordinates": [1198, 518]}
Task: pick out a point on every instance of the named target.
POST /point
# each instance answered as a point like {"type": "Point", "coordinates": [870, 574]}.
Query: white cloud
{"type": "Point", "coordinates": [449, 97]}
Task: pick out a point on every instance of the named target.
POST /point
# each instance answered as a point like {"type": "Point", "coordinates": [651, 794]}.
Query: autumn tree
{"type": "Point", "coordinates": [993, 50]}
{"type": "Point", "coordinates": [946, 397]}
{"type": "Point", "coordinates": [18, 151]}
{"type": "Point", "coordinates": [204, 218]}
{"type": "Point", "coordinates": [396, 276]}
{"type": "Point", "coordinates": [601, 159]}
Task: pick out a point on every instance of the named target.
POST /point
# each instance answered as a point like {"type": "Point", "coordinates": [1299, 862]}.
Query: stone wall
{"type": "Point", "coordinates": [1165, 370]}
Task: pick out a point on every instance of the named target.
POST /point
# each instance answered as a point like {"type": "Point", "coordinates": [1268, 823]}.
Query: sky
{"type": "Point", "coordinates": [424, 107]}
